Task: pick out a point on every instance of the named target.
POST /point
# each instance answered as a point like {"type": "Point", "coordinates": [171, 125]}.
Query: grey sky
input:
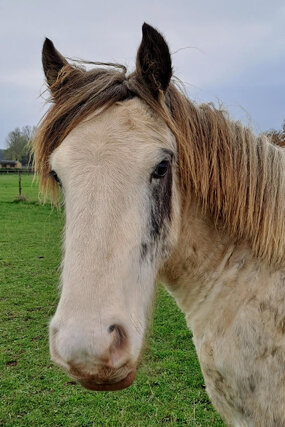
{"type": "Point", "coordinates": [236, 51]}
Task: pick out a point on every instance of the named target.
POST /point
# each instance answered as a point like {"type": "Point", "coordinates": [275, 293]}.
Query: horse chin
{"type": "Point", "coordinates": [120, 385]}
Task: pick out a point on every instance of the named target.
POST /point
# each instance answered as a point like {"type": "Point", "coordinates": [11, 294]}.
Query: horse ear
{"type": "Point", "coordinates": [153, 60]}
{"type": "Point", "coordinates": [52, 61]}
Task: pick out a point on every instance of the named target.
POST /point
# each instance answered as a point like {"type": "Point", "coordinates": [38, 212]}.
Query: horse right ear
{"type": "Point", "coordinates": [153, 61]}
{"type": "Point", "coordinates": [52, 61]}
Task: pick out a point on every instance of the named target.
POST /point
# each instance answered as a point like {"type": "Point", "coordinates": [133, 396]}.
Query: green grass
{"type": "Point", "coordinates": [169, 389]}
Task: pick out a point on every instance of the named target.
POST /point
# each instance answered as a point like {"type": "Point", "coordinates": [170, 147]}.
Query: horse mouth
{"type": "Point", "coordinates": [120, 385]}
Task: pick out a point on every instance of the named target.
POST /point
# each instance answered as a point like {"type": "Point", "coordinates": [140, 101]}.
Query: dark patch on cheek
{"type": "Point", "coordinates": [160, 212]}
{"type": "Point", "coordinates": [161, 203]}
{"type": "Point", "coordinates": [144, 248]}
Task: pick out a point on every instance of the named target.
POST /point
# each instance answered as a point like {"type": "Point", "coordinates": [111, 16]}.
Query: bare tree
{"type": "Point", "coordinates": [18, 144]}
{"type": "Point", "coordinates": [277, 136]}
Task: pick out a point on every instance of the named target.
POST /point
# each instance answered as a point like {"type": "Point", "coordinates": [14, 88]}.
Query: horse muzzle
{"type": "Point", "coordinates": [92, 384]}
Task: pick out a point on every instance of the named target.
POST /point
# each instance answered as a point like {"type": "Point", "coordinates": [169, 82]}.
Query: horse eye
{"type": "Point", "coordinates": [54, 175]}
{"type": "Point", "coordinates": [160, 170]}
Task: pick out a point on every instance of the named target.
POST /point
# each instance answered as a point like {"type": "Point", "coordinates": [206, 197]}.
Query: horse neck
{"type": "Point", "coordinates": [238, 176]}
{"type": "Point", "coordinates": [207, 268]}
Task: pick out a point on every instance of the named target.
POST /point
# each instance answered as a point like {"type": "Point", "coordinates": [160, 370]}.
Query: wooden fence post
{"type": "Point", "coordinates": [20, 183]}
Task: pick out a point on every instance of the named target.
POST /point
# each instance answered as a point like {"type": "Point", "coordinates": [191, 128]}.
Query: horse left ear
{"type": "Point", "coordinates": [52, 61]}
{"type": "Point", "coordinates": [153, 60]}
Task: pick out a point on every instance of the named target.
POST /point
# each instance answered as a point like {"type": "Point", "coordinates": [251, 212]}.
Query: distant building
{"type": "Point", "coordinates": [10, 164]}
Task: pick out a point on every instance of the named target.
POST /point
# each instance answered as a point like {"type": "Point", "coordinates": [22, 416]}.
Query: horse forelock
{"type": "Point", "coordinates": [238, 178]}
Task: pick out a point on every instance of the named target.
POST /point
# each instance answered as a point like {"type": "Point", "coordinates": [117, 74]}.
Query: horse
{"type": "Point", "coordinates": [158, 188]}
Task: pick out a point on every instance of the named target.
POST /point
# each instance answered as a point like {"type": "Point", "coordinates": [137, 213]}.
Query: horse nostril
{"type": "Point", "coordinates": [120, 335]}
{"type": "Point", "coordinates": [111, 328]}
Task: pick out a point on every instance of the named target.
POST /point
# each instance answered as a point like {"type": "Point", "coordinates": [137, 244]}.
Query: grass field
{"type": "Point", "coordinates": [169, 389]}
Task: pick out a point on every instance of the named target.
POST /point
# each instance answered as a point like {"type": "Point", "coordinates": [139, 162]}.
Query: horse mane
{"type": "Point", "coordinates": [238, 178]}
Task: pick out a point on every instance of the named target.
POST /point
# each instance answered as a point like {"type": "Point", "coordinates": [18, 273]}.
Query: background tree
{"type": "Point", "coordinates": [277, 137]}
{"type": "Point", "coordinates": [19, 144]}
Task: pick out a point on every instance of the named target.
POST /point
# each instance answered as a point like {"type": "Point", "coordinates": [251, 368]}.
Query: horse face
{"type": "Point", "coordinates": [118, 175]}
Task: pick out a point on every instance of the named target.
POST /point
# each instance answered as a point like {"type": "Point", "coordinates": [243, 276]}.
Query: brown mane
{"type": "Point", "coordinates": [238, 178]}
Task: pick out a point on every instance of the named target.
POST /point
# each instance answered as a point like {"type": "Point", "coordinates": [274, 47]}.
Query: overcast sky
{"type": "Point", "coordinates": [235, 50]}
